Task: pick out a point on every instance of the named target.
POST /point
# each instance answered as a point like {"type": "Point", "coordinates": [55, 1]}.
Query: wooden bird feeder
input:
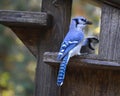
{"type": "Point", "coordinates": [42, 32]}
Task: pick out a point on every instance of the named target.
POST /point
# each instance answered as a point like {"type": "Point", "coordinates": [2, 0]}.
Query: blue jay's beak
{"type": "Point", "coordinates": [88, 22]}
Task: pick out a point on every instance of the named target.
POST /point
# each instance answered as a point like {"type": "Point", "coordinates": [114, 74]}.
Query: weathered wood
{"type": "Point", "coordinates": [91, 82]}
{"type": "Point", "coordinates": [24, 19]}
{"type": "Point", "coordinates": [46, 75]}
{"type": "Point", "coordinates": [51, 57]}
{"type": "Point", "coordinates": [114, 3]}
{"type": "Point", "coordinates": [109, 46]}
{"type": "Point", "coordinates": [91, 60]}
{"type": "Point", "coordinates": [27, 26]}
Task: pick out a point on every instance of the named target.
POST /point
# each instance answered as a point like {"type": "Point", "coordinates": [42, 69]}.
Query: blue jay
{"type": "Point", "coordinates": [71, 45]}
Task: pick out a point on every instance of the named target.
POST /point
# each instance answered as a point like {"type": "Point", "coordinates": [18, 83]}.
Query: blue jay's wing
{"type": "Point", "coordinates": [72, 38]}
{"type": "Point", "coordinates": [66, 48]}
{"type": "Point", "coordinates": [64, 56]}
{"type": "Point", "coordinates": [71, 46]}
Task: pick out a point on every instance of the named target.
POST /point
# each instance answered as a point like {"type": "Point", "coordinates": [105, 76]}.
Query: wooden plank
{"type": "Point", "coordinates": [51, 57]}
{"type": "Point", "coordinates": [27, 26]}
{"type": "Point", "coordinates": [46, 76]}
{"type": "Point", "coordinates": [109, 46]}
{"type": "Point", "coordinates": [114, 3]}
{"type": "Point", "coordinates": [24, 18]}
{"type": "Point", "coordinates": [91, 82]}
{"type": "Point", "coordinates": [90, 60]}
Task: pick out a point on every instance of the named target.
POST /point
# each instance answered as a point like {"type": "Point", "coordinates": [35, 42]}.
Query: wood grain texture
{"type": "Point", "coordinates": [110, 35]}
{"type": "Point", "coordinates": [24, 18]}
{"type": "Point", "coordinates": [91, 61]}
{"type": "Point", "coordinates": [91, 82]}
{"type": "Point", "coordinates": [46, 75]}
{"type": "Point", "coordinates": [114, 3]}
{"type": "Point", "coordinates": [27, 26]}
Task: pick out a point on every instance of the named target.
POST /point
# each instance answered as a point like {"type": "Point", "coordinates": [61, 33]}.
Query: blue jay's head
{"type": "Point", "coordinates": [79, 22]}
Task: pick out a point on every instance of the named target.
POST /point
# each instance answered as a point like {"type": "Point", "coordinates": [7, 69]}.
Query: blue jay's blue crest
{"type": "Point", "coordinates": [71, 45]}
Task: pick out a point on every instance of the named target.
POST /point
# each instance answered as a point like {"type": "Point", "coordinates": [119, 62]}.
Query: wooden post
{"type": "Point", "coordinates": [50, 41]}
{"type": "Point", "coordinates": [110, 33]}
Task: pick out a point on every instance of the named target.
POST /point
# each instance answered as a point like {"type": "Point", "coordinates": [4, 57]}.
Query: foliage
{"type": "Point", "coordinates": [17, 65]}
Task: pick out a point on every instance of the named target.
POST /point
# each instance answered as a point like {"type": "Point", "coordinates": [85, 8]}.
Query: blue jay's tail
{"type": "Point", "coordinates": [62, 69]}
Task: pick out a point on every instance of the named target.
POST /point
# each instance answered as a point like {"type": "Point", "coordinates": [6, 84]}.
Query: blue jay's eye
{"type": "Point", "coordinates": [84, 20]}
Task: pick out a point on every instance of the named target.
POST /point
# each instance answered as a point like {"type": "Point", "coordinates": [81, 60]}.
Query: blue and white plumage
{"type": "Point", "coordinates": [71, 45]}
{"type": "Point", "coordinates": [89, 45]}
{"type": "Point", "coordinates": [90, 42]}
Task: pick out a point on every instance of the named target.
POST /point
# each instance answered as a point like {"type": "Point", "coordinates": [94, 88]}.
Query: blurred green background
{"type": "Point", "coordinates": [17, 64]}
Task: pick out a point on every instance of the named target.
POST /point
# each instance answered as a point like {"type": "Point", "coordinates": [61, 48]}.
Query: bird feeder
{"type": "Point", "coordinates": [42, 32]}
